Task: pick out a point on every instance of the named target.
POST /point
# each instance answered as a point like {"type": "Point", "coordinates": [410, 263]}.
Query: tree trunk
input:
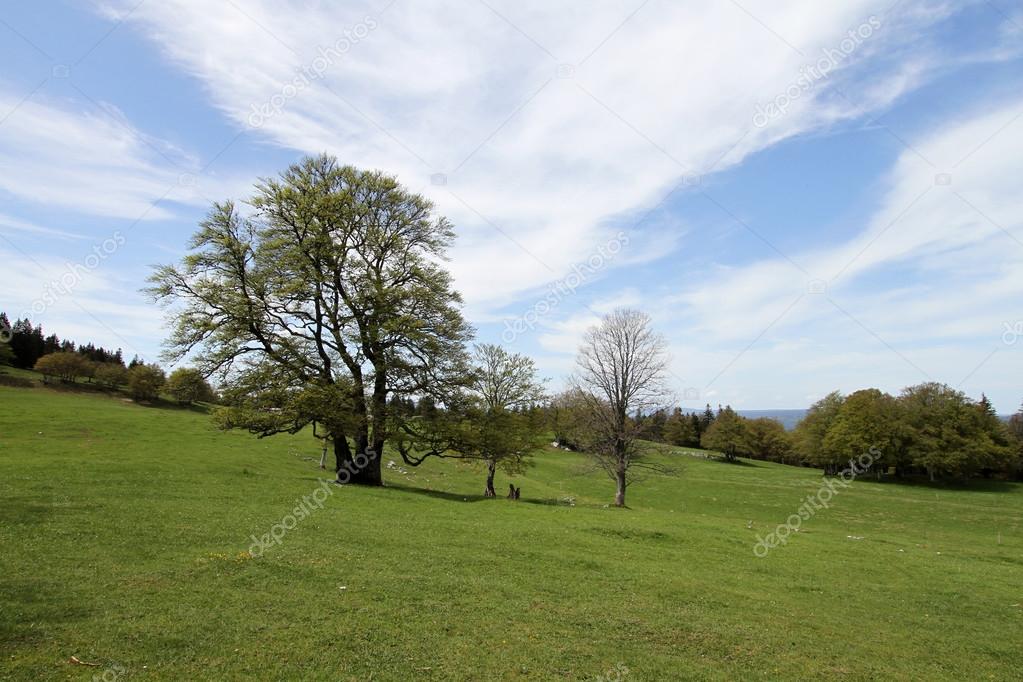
{"type": "Point", "coordinates": [361, 467]}
{"type": "Point", "coordinates": [491, 468]}
{"type": "Point", "coordinates": [620, 493]}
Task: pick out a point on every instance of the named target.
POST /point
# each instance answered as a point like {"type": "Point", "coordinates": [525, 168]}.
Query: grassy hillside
{"type": "Point", "coordinates": [125, 533]}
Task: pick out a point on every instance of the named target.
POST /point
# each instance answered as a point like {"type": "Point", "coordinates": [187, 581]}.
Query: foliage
{"type": "Point", "coordinates": [7, 356]}
{"type": "Point", "coordinates": [811, 431]}
{"type": "Point", "coordinates": [681, 430]}
{"type": "Point", "coordinates": [490, 420]}
{"type": "Point", "coordinates": [767, 439]}
{"type": "Point", "coordinates": [28, 344]}
{"type": "Point", "coordinates": [950, 435]}
{"type": "Point", "coordinates": [866, 421]}
{"type": "Point", "coordinates": [727, 434]}
{"type": "Point", "coordinates": [333, 290]}
{"type": "Point", "coordinates": [110, 374]}
{"type": "Point", "coordinates": [66, 366]}
{"type": "Point", "coordinates": [930, 428]}
{"type": "Point", "coordinates": [145, 381]}
{"type": "Point", "coordinates": [187, 385]}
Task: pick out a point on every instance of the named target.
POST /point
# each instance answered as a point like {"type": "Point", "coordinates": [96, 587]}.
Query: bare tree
{"type": "Point", "coordinates": [620, 372]}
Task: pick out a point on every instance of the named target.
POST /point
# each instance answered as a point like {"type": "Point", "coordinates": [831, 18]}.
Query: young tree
{"type": "Point", "coordinates": [490, 421]}
{"type": "Point", "coordinates": [503, 384]}
{"type": "Point", "coordinates": [145, 381]}
{"type": "Point", "coordinates": [334, 288]}
{"type": "Point", "coordinates": [727, 434]}
{"type": "Point", "coordinates": [187, 385]}
{"type": "Point", "coordinates": [620, 371]}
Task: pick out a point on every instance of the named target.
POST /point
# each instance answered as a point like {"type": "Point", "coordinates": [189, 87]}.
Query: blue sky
{"type": "Point", "coordinates": [867, 231]}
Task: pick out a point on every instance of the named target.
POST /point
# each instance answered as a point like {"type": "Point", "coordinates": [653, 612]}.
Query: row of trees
{"type": "Point", "coordinates": [28, 344]}
{"type": "Point", "coordinates": [929, 428]}
{"type": "Point", "coordinates": [142, 381]}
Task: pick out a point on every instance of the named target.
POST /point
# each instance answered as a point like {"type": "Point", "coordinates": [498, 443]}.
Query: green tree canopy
{"type": "Point", "coordinates": [332, 296]}
{"type": "Point", "coordinates": [188, 385]}
{"type": "Point", "coordinates": [727, 434]}
{"type": "Point", "coordinates": [145, 381]}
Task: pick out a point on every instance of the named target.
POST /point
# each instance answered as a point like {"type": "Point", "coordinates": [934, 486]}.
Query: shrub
{"type": "Point", "coordinates": [189, 386]}
{"type": "Point", "coordinates": [65, 366]}
{"type": "Point", "coordinates": [145, 381]}
{"type": "Point", "coordinates": [111, 374]}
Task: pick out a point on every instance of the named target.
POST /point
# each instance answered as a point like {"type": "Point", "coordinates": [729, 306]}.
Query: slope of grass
{"type": "Point", "coordinates": [125, 533]}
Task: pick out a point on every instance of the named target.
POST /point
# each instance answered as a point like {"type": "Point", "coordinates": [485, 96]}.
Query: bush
{"type": "Point", "coordinates": [145, 382]}
{"type": "Point", "coordinates": [111, 374]}
{"type": "Point", "coordinates": [65, 366]}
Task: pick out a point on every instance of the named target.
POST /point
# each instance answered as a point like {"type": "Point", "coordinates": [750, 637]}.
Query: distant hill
{"type": "Point", "coordinates": [788, 418]}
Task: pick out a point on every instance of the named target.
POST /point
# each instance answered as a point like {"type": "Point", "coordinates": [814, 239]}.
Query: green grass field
{"type": "Point", "coordinates": [125, 533]}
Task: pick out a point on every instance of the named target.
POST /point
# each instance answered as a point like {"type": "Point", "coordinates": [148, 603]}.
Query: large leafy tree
{"type": "Point", "coordinates": [949, 435]}
{"type": "Point", "coordinates": [868, 421]}
{"type": "Point", "coordinates": [324, 303]}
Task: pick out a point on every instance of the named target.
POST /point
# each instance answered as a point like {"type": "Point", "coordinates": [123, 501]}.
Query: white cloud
{"type": "Point", "coordinates": [472, 90]}
{"type": "Point", "coordinates": [89, 158]}
{"type": "Point", "coordinates": [929, 284]}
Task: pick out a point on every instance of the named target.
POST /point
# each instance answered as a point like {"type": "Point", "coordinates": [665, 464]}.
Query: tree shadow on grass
{"type": "Point", "coordinates": [976, 485]}
{"type": "Point", "coordinates": [437, 494]}
{"type": "Point", "coordinates": [463, 497]}
{"type": "Point", "coordinates": [738, 462]}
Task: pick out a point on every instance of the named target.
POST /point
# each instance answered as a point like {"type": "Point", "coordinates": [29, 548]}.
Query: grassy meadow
{"type": "Point", "coordinates": [125, 533]}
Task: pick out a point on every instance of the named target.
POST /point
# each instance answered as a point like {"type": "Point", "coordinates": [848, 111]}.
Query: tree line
{"type": "Point", "coordinates": [929, 429]}
{"type": "Point", "coordinates": [28, 343]}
